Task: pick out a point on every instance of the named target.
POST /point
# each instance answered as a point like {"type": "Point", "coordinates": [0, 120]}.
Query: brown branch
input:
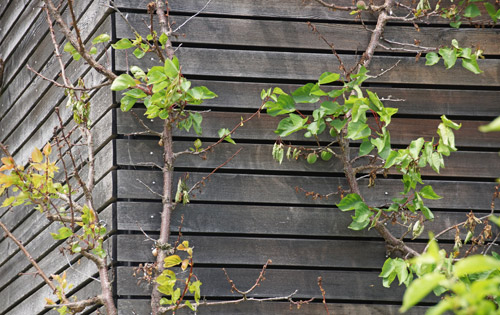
{"type": "Point", "coordinates": [323, 293]}
{"type": "Point", "coordinates": [206, 303]}
{"type": "Point", "coordinates": [74, 41]}
{"type": "Point", "coordinates": [79, 305]}
{"type": "Point", "coordinates": [64, 86]}
{"type": "Point", "coordinates": [32, 261]}
{"type": "Point", "coordinates": [342, 67]}
{"type": "Point", "coordinates": [240, 124]}
{"type": "Point", "coordinates": [257, 282]}
{"type": "Point", "coordinates": [164, 26]}
{"type": "Point", "coordinates": [56, 48]}
{"type": "Point", "coordinates": [213, 171]}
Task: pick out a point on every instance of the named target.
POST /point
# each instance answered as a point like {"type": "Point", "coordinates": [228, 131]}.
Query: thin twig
{"type": "Point", "coordinates": [149, 188]}
{"type": "Point", "coordinates": [193, 16]}
{"type": "Point", "coordinates": [257, 282]}
{"type": "Point", "coordinates": [197, 184]}
{"type": "Point", "coordinates": [72, 267]}
{"type": "Point", "coordinates": [64, 86]}
{"type": "Point", "coordinates": [32, 261]}
{"type": "Point", "coordinates": [323, 293]}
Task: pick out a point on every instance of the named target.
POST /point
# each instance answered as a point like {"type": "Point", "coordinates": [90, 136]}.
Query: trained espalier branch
{"type": "Point", "coordinates": [344, 112]}
{"type": "Point", "coordinates": [68, 199]}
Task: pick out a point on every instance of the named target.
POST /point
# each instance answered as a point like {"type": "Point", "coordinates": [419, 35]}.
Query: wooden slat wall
{"type": "Point", "coordinates": [27, 119]}
{"type": "Point", "coordinates": [250, 211]}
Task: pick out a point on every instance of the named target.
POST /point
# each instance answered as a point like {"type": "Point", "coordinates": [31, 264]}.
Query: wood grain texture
{"type": "Point", "coordinates": [297, 35]}
{"type": "Point", "coordinates": [139, 306]}
{"type": "Point", "coordinates": [302, 66]}
{"type": "Point", "coordinates": [403, 130]}
{"type": "Point", "coordinates": [258, 157]}
{"type": "Point", "coordinates": [431, 102]}
{"type": "Point", "coordinates": [362, 286]}
{"type": "Point", "coordinates": [288, 9]}
{"type": "Point", "coordinates": [279, 189]}
{"type": "Point", "coordinates": [268, 221]}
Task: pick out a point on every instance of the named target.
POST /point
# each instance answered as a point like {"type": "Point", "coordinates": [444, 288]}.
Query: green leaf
{"type": "Point", "coordinates": [492, 126]}
{"type": "Point", "coordinates": [420, 288]}
{"type": "Point", "coordinates": [349, 202]}
{"type": "Point", "coordinates": [475, 264]}
{"type": "Point", "coordinates": [391, 159]}
{"type": "Point", "coordinates": [428, 193]}
{"type": "Point", "coordinates": [126, 103]}
{"type": "Point", "coordinates": [63, 233]}
{"type": "Point", "coordinates": [455, 24]}
{"type": "Point", "coordinates": [303, 94]}
{"type": "Point", "coordinates": [156, 76]}
{"type": "Point", "coordinates": [358, 130]}
{"type": "Point", "coordinates": [471, 65]}
{"type": "Point", "coordinates": [415, 147]}
{"type": "Point", "coordinates": [493, 13]}
{"type": "Point", "coordinates": [431, 59]}
{"type": "Point", "coordinates": [224, 132]}
{"type": "Point", "coordinates": [449, 56]}
{"type": "Point", "coordinates": [7, 202]}
{"type": "Point", "coordinates": [328, 77]}
{"type": "Point", "coordinates": [284, 105]}
{"type": "Point", "coordinates": [163, 39]}
{"type": "Point", "coordinates": [375, 100]}
{"type": "Point", "coordinates": [139, 53]}
{"type": "Point", "coordinates": [172, 261]}
{"type": "Point", "coordinates": [103, 38]}
{"type": "Point", "coordinates": [365, 147]}
{"type": "Point", "coordinates": [291, 124]}
{"type": "Point", "coordinates": [472, 11]}
{"type": "Point", "coordinates": [201, 93]}
{"type": "Point", "coordinates": [137, 72]}
{"type": "Point", "coordinates": [123, 43]}
{"type": "Point", "coordinates": [188, 304]}
{"type": "Point", "coordinates": [171, 70]}
{"type": "Point", "coordinates": [157, 87]}
{"type": "Point", "coordinates": [69, 48]}
{"type": "Point", "coordinates": [449, 123]}
{"type": "Point", "coordinates": [338, 124]}
{"type": "Point", "coordinates": [93, 51]}
{"type": "Point", "coordinates": [136, 93]}
{"type": "Point", "coordinates": [122, 82]}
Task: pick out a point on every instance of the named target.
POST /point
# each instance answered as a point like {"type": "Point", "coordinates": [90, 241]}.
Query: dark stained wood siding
{"type": "Point", "coordinates": [27, 119]}
{"type": "Point", "coordinates": [250, 210]}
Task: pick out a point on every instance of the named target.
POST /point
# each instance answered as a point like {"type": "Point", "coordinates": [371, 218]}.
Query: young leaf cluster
{"type": "Point", "coordinates": [469, 286]}
{"type": "Point", "coordinates": [168, 280]}
{"type": "Point", "coordinates": [451, 54]}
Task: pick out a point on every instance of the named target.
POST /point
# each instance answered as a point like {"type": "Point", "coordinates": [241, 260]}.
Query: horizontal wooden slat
{"type": "Point", "coordinates": [287, 34]}
{"type": "Point", "coordinates": [259, 157]}
{"type": "Point", "coordinates": [340, 285]}
{"type": "Point", "coordinates": [420, 102]}
{"type": "Point", "coordinates": [402, 130]}
{"type": "Point", "coordinates": [126, 307]}
{"type": "Point", "coordinates": [263, 220]}
{"type": "Point", "coordinates": [255, 251]}
{"type": "Point", "coordinates": [26, 82]}
{"type": "Point", "coordinates": [302, 66]}
{"type": "Point", "coordinates": [310, 10]}
{"type": "Point", "coordinates": [281, 189]}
